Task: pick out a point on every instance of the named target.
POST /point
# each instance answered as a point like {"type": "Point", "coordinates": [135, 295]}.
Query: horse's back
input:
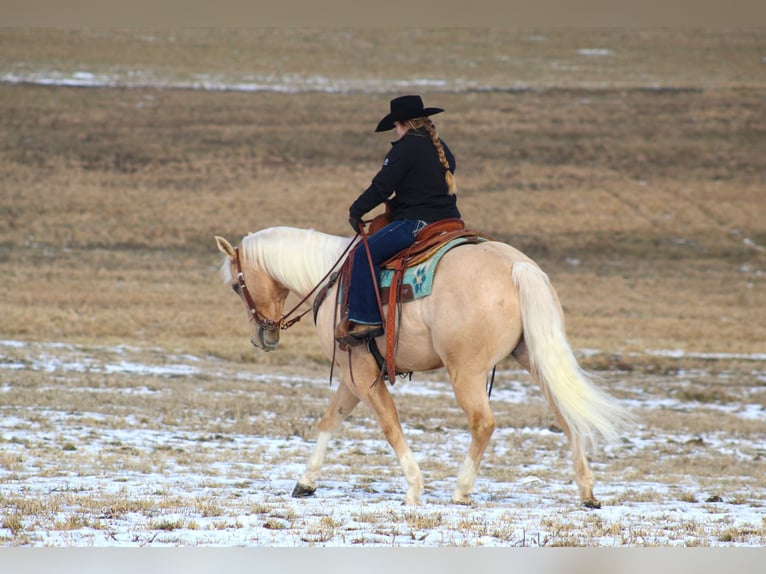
{"type": "Point", "coordinates": [505, 251]}
{"type": "Point", "coordinates": [481, 263]}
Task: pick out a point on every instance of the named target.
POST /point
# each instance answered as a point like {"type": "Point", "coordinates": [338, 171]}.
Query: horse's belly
{"type": "Point", "coordinates": [415, 349]}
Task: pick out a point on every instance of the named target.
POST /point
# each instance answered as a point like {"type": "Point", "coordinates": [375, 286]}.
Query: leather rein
{"type": "Point", "coordinates": [282, 323]}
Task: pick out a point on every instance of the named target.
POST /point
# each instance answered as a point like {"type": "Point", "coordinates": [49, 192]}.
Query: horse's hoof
{"type": "Point", "coordinates": [301, 491]}
{"type": "Point", "coordinates": [593, 503]}
{"type": "Point", "coordinates": [463, 501]}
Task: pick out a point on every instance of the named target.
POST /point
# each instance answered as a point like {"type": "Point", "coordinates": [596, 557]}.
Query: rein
{"type": "Point", "coordinates": [372, 268]}
{"type": "Point", "coordinates": [390, 368]}
{"type": "Point", "coordinates": [264, 322]}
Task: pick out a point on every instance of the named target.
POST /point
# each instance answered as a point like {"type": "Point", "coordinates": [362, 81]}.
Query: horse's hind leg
{"type": "Point", "coordinates": [343, 402]}
{"type": "Point", "coordinates": [472, 398]}
{"type": "Point", "coordinates": [583, 474]}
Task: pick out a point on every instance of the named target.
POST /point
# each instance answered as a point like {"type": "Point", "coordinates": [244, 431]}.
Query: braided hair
{"type": "Point", "coordinates": [430, 128]}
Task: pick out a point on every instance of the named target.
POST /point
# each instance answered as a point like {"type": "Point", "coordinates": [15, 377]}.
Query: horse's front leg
{"type": "Point", "coordinates": [381, 402]}
{"type": "Point", "coordinates": [343, 402]}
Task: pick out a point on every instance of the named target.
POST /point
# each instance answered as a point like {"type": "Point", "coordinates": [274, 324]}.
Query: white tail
{"type": "Point", "coordinates": [588, 411]}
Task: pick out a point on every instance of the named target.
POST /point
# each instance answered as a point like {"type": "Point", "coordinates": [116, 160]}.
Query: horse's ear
{"type": "Point", "coordinates": [224, 246]}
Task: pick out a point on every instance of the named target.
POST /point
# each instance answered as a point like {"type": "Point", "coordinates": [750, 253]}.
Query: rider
{"type": "Point", "coordinates": [418, 173]}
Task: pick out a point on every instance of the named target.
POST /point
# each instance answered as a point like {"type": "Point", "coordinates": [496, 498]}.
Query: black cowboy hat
{"type": "Point", "coordinates": [405, 108]}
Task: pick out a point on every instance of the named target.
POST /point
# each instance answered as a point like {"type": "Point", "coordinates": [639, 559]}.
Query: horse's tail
{"type": "Point", "coordinates": [589, 412]}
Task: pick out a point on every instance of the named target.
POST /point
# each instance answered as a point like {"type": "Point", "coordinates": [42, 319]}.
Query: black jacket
{"type": "Point", "coordinates": [413, 173]}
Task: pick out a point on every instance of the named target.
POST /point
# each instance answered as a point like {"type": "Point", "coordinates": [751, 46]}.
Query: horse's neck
{"type": "Point", "coordinates": [300, 258]}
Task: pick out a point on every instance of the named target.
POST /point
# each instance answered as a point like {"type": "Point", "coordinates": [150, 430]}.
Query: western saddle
{"type": "Point", "coordinates": [428, 241]}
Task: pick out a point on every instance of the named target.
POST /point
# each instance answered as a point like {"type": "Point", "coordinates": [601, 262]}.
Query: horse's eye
{"type": "Point", "coordinates": [235, 288]}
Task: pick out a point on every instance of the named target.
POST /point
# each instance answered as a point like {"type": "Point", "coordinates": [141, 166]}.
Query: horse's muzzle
{"type": "Point", "coordinates": [266, 340]}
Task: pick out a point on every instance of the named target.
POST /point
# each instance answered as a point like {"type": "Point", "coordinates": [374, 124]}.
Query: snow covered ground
{"type": "Point", "coordinates": [113, 476]}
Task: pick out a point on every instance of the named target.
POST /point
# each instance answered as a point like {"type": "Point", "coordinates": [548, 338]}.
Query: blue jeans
{"type": "Point", "coordinates": [384, 244]}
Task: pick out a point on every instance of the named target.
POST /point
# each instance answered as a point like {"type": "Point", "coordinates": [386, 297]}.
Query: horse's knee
{"type": "Point", "coordinates": [483, 426]}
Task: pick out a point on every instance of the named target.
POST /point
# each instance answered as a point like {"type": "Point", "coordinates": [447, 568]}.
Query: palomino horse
{"type": "Point", "coordinates": [488, 300]}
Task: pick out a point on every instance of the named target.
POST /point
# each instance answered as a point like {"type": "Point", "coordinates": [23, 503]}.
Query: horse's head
{"type": "Point", "coordinates": [263, 297]}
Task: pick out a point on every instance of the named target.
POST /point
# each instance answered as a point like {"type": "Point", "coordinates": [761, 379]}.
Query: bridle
{"type": "Point", "coordinates": [241, 289]}
{"type": "Point", "coordinates": [282, 323]}
{"type": "Point", "coordinates": [259, 318]}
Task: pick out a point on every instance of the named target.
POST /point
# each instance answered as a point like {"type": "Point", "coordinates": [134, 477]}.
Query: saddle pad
{"type": "Point", "coordinates": [418, 280]}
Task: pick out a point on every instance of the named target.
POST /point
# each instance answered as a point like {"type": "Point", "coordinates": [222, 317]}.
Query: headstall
{"type": "Point", "coordinates": [283, 323]}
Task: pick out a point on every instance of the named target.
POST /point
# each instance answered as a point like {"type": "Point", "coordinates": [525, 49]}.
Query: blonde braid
{"type": "Point", "coordinates": [431, 129]}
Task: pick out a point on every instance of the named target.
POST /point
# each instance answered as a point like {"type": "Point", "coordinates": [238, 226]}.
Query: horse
{"type": "Point", "coordinates": [488, 301]}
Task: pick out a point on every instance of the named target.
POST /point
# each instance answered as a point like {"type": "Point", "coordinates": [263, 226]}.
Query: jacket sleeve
{"type": "Point", "coordinates": [383, 185]}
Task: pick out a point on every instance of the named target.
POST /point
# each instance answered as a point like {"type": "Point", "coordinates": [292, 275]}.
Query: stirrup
{"type": "Point", "coordinates": [358, 334]}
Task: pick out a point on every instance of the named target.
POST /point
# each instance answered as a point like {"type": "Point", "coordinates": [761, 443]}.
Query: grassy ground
{"type": "Point", "coordinates": [120, 446]}
{"type": "Point", "coordinates": [635, 177]}
{"type": "Point", "coordinates": [641, 206]}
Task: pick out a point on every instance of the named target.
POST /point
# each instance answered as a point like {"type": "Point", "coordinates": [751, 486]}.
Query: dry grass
{"type": "Point", "coordinates": [645, 206]}
{"type": "Point", "coordinates": [215, 452]}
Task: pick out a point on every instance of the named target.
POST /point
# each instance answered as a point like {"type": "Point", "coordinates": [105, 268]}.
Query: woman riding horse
{"type": "Point", "coordinates": [418, 172]}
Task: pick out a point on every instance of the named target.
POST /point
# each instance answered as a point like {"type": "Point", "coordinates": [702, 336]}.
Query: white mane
{"type": "Point", "coordinates": [296, 258]}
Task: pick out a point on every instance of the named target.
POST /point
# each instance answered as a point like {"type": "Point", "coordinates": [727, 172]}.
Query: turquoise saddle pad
{"type": "Point", "coordinates": [421, 277]}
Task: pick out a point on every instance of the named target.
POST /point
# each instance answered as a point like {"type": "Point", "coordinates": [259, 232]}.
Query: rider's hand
{"type": "Point", "coordinates": [355, 223]}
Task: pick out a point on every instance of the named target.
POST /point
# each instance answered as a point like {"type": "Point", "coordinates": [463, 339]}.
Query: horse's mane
{"type": "Point", "coordinates": [296, 258]}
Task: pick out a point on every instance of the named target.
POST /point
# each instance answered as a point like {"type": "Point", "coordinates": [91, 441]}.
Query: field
{"type": "Point", "coordinates": [133, 411]}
